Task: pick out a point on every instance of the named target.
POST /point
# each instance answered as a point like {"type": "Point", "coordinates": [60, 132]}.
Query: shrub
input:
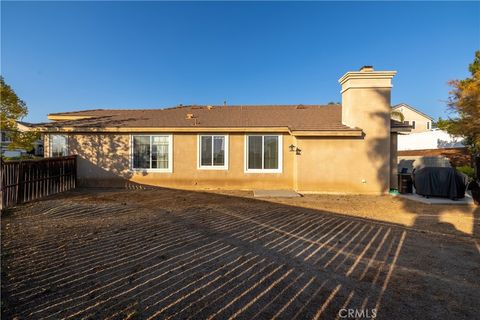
{"type": "Point", "coordinates": [467, 170]}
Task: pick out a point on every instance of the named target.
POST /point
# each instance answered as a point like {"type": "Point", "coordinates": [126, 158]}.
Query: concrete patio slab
{"type": "Point", "coordinates": [442, 201]}
{"type": "Point", "coordinates": [275, 194]}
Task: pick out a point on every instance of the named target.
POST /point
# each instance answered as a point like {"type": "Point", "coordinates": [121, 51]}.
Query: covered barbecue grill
{"type": "Point", "coordinates": [439, 182]}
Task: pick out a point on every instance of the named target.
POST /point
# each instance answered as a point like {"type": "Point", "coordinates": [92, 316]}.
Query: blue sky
{"type": "Point", "coordinates": [63, 56]}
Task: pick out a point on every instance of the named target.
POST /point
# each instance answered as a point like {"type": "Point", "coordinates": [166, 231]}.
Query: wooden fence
{"type": "Point", "coordinates": [26, 180]}
{"type": "Point", "coordinates": [457, 156]}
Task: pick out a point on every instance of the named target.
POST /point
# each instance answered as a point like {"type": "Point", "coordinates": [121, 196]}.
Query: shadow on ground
{"type": "Point", "coordinates": [163, 253]}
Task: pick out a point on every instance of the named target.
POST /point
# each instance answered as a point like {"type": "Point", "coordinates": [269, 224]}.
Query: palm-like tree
{"type": "Point", "coordinates": [397, 115]}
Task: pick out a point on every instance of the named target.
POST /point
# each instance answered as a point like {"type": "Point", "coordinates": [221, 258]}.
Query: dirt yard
{"type": "Point", "coordinates": [161, 254]}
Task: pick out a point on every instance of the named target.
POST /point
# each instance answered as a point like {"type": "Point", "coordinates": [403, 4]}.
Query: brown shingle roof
{"type": "Point", "coordinates": [294, 117]}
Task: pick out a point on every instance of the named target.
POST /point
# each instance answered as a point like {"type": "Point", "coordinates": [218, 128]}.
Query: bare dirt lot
{"type": "Point", "coordinates": [159, 253]}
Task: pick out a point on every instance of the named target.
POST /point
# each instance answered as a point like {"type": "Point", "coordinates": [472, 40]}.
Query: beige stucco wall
{"type": "Point", "coordinates": [420, 120]}
{"type": "Point", "coordinates": [325, 165]}
{"type": "Point", "coordinates": [394, 160]}
{"type": "Point", "coordinates": [46, 145]}
{"type": "Point", "coordinates": [369, 109]}
{"type": "Point", "coordinates": [104, 160]}
{"type": "Point", "coordinates": [336, 166]}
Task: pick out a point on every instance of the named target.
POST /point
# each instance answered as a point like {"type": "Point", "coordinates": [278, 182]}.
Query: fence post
{"type": "Point", "coordinates": [2, 169]}
{"type": "Point", "coordinates": [20, 182]}
{"type": "Point", "coordinates": [75, 163]}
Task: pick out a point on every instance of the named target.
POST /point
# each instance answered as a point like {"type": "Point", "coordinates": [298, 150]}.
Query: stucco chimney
{"type": "Point", "coordinates": [366, 105]}
{"type": "Point", "coordinates": [366, 96]}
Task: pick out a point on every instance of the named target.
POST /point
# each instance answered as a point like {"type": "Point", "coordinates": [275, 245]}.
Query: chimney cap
{"type": "Point", "coordinates": [374, 79]}
{"type": "Point", "coordinates": [366, 69]}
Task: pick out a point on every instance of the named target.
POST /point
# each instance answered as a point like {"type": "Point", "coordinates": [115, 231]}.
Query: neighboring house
{"type": "Point", "coordinates": [4, 143]}
{"type": "Point", "coordinates": [14, 153]}
{"type": "Point", "coordinates": [348, 148]}
{"type": "Point", "coordinates": [434, 139]}
{"type": "Point", "coordinates": [424, 145]}
{"type": "Point", "coordinates": [419, 121]}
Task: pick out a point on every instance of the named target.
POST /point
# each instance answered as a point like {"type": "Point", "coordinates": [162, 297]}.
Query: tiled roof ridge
{"type": "Point", "coordinates": [193, 106]}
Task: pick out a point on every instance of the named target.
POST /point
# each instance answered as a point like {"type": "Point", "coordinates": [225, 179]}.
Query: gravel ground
{"type": "Point", "coordinates": [159, 253]}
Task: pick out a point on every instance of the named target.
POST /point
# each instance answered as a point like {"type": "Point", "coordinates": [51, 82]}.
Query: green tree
{"type": "Point", "coordinates": [464, 102]}
{"type": "Point", "coordinates": [13, 109]}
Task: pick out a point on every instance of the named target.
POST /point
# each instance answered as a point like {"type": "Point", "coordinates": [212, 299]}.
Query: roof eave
{"type": "Point", "coordinates": [401, 129]}
{"type": "Point", "coordinates": [299, 133]}
{"type": "Point", "coordinates": [50, 128]}
{"type": "Point", "coordinates": [327, 133]}
{"type": "Point", "coordinates": [57, 117]}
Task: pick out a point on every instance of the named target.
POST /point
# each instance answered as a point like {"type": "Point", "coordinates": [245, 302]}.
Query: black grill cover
{"type": "Point", "coordinates": [440, 182]}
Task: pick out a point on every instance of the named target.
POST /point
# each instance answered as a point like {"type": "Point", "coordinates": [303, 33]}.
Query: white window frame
{"type": "Point", "coordinates": [4, 138]}
{"type": "Point", "coordinates": [199, 152]}
{"type": "Point", "coordinates": [50, 140]}
{"type": "Point", "coordinates": [170, 153]}
{"type": "Point", "coordinates": [280, 154]}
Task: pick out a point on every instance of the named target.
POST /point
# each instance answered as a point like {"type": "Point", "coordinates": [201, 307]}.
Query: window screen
{"type": "Point", "coordinates": [151, 152]}
{"type": "Point", "coordinates": [212, 151]}
{"type": "Point", "coordinates": [58, 145]}
{"type": "Point", "coordinates": [263, 152]}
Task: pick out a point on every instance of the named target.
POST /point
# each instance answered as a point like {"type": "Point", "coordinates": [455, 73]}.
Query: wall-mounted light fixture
{"type": "Point", "coordinates": [296, 149]}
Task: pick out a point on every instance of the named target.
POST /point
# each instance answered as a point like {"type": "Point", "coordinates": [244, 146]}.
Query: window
{"type": "Point", "coordinates": [263, 153]}
{"type": "Point", "coordinates": [428, 125]}
{"type": "Point", "coordinates": [58, 145]}
{"type": "Point", "coordinates": [4, 137]}
{"type": "Point", "coordinates": [152, 152]}
{"type": "Point", "coordinates": [213, 152]}
{"type": "Point", "coordinates": [413, 124]}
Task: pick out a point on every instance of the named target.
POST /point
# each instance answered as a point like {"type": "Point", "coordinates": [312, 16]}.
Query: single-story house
{"type": "Point", "coordinates": [347, 148]}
